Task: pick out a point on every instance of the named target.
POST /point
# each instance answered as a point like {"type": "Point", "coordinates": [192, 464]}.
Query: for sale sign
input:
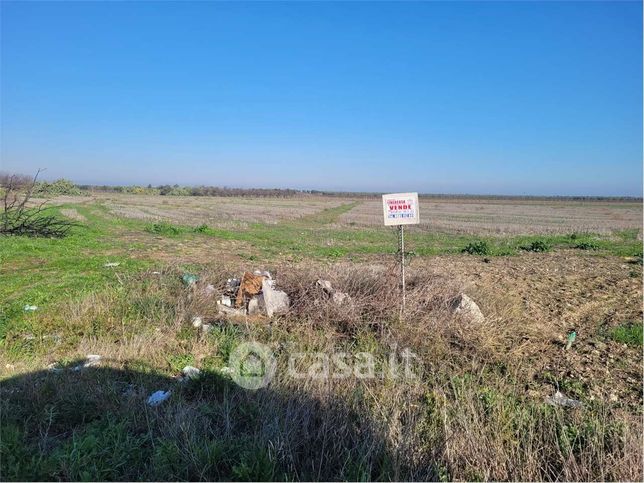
{"type": "Point", "coordinates": [401, 209]}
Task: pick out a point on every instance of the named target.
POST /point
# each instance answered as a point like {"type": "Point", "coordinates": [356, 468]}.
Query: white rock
{"type": "Point", "coordinates": [226, 300]}
{"type": "Point", "coordinates": [54, 367]}
{"type": "Point", "coordinates": [275, 301]}
{"type": "Point", "coordinates": [337, 297]}
{"type": "Point", "coordinates": [92, 360]}
{"type": "Point", "coordinates": [256, 305]}
{"type": "Point", "coordinates": [190, 372]}
{"type": "Point", "coordinates": [325, 285]}
{"type": "Point", "coordinates": [465, 306]}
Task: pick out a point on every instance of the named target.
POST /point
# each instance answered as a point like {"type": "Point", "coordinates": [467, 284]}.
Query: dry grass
{"type": "Point", "coordinates": [73, 214]}
{"type": "Point", "coordinates": [476, 410]}
{"type": "Point", "coordinates": [219, 212]}
{"type": "Point", "coordinates": [473, 216]}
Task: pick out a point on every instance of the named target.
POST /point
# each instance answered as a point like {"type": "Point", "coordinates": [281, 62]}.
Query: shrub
{"type": "Point", "coordinates": [59, 187]}
{"type": "Point", "coordinates": [17, 218]}
{"type": "Point", "coordinates": [201, 229]}
{"type": "Point", "coordinates": [587, 245]}
{"type": "Point", "coordinates": [163, 228]}
{"type": "Point", "coordinates": [479, 247]}
{"type": "Point", "coordinates": [536, 246]}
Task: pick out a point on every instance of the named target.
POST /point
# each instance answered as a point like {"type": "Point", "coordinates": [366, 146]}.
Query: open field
{"type": "Point", "coordinates": [476, 410]}
{"type": "Point", "coordinates": [508, 216]}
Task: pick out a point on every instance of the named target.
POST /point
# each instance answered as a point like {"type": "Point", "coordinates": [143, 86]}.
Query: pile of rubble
{"type": "Point", "coordinates": [253, 294]}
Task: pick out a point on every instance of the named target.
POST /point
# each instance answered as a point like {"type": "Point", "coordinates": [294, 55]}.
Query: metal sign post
{"type": "Point", "coordinates": [401, 252]}
{"type": "Point", "coordinates": [401, 209]}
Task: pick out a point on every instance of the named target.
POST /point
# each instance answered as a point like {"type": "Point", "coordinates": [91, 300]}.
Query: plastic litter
{"type": "Point", "coordinates": [560, 400]}
{"type": "Point", "coordinates": [158, 397]}
{"type": "Point", "coordinates": [206, 328]}
{"type": "Point", "coordinates": [189, 279]}
{"type": "Point", "coordinates": [232, 284]}
{"type": "Point", "coordinates": [30, 308]}
{"type": "Point", "coordinates": [197, 322]}
{"type": "Point", "coordinates": [571, 338]}
{"type": "Point", "coordinates": [111, 264]}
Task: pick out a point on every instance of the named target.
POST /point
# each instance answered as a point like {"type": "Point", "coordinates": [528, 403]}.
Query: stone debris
{"type": "Point", "coordinates": [190, 372]}
{"type": "Point", "coordinates": [466, 307]}
{"type": "Point", "coordinates": [92, 360]}
{"type": "Point", "coordinates": [253, 294]}
{"type": "Point", "coordinates": [226, 300]}
{"type": "Point", "coordinates": [158, 397]}
{"type": "Point", "coordinates": [337, 297]}
{"type": "Point", "coordinates": [256, 305]}
{"type": "Point", "coordinates": [54, 367]}
{"type": "Point", "coordinates": [230, 310]}
{"type": "Point", "coordinates": [560, 400]}
{"type": "Point", "coordinates": [265, 274]}
{"type": "Point", "coordinates": [275, 301]}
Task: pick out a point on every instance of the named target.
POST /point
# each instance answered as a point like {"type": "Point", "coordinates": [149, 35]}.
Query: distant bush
{"type": "Point", "coordinates": [479, 247]}
{"type": "Point", "coordinates": [59, 187]}
{"type": "Point", "coordinates": [163, 228]}
{"type": "Point", "coordinates": [201, 229]}
{"type": "Point", "coordinates": [536, 246]}
{"type": "Point", "coordinates": [587, 245]}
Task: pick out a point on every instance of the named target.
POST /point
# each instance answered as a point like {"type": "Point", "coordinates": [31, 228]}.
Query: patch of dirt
{"type": "Point", "coordinates": [553, 294]}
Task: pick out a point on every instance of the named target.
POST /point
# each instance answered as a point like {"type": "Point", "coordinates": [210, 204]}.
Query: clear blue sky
{"type": "Point", "coordinates": [509, 98]}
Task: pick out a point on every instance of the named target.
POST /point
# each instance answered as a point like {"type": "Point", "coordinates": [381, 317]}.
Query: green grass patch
{"type": "Point", "coordinates": [629, 333]}
{"type": "Point", "coordinates": [164, 228]}
{"type": "Point", "coordinates": [479, 247]}
{"type": "Point", "coordinates": [536, 246]}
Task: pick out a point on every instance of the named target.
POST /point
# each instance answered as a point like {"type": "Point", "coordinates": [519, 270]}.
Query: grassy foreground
{"type": "Point", "coordinates": [473, 412]}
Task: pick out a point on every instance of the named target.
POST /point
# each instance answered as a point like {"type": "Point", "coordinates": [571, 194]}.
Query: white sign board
{"type": "Point", "coordinates": [401, 209]}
